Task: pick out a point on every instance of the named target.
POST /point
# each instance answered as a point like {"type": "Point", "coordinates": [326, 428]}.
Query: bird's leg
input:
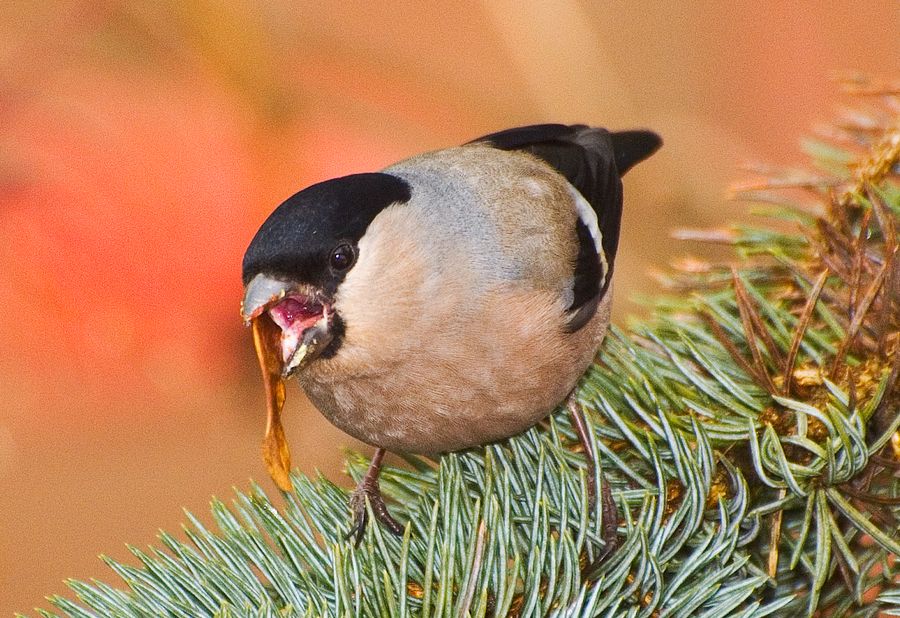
{"type": "Point", "coordinates": [368, 488]}
{"type": "Point", "coordinates": [608, 506]}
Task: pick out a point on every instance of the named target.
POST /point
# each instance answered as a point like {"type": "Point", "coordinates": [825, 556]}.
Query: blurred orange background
{"type": "Point", "coordinates": [143, 143]}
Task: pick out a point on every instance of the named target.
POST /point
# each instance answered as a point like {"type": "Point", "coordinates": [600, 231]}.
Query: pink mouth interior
{"type": "Point", "coordinates": [293, 309]}
{"type": "Point", "coordinates": [294, 315]}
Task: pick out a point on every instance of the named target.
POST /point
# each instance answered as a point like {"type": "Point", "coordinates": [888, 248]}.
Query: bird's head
{"type": "Point", "coordinates": [292, 273]}
{"type": "Point", "coordinates": [294, 266]}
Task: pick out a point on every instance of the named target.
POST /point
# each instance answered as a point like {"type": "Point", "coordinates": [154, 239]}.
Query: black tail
{"type": "Point", "coordinates": [632, 147]}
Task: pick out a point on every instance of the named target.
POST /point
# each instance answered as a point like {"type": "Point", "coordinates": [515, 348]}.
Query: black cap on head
{"type": "Point", "coordinates": [298, 238]}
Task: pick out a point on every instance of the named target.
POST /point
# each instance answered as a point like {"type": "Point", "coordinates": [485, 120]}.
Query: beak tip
{"type": "Point", "coordinates": [248, 317]}
{"type": "Point", "coordinates": [261, 293]}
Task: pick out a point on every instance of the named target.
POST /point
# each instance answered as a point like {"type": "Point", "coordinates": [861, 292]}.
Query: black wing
{"type": "Point", "coordinates": [593, 161]}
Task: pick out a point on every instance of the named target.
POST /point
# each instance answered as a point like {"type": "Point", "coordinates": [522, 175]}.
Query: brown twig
{"type": "Point", "coordinates": [858, 257]}
{"type": "Point", "coordinates": [728, 344]}
{"type": "Point", "coordinates": [889, 309]}
{"type": "Point", "coordinates": [833, 249]}
{"type": "Point", "coordinates": [746, 310]}
{"type": "Point", "coordinates": [858, 316]}
{"type": "Point", "coordinates": [800, 332]}
{"type": "Point", "coordinates": [864, 497]}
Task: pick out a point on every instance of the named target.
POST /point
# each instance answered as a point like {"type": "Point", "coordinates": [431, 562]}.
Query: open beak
{"type": "Point", "coordinates": [300, 311]}
{"type": "Point", "coordinates": [291, 327]}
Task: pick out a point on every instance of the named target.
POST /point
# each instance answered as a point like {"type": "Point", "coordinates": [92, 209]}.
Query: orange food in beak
{"type": "Point", "coordinates": [277, 455]}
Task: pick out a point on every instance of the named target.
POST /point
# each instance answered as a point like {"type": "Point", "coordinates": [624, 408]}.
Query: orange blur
{"type": "Point", "coordinates": [142, 143]}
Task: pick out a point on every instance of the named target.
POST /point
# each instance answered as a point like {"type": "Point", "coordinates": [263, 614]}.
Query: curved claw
{"type": "Point", "coordinates": [360, 520]}
{"type": "Point", "coordinates": [369, 491]}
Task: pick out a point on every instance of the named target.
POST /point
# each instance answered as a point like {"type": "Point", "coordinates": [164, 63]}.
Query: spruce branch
{"type": "Point", "coordinates": [750, 431]}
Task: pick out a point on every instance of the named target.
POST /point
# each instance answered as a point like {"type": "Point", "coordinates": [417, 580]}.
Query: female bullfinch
{"type": "Point", "coordinates": [453, 299]}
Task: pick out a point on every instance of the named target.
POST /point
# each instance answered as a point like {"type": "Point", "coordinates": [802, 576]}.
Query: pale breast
{"type": "Point", "coordinates": [450, 392]}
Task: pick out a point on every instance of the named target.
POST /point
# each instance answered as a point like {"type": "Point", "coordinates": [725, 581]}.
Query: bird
{"type": "Point", "coordinates": [450, 300]}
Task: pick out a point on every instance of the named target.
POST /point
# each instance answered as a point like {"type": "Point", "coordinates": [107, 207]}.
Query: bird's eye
{"type": "Point", "coordinates": [342, 257]}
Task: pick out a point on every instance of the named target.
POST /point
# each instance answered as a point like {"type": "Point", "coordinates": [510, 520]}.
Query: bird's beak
{"type": "Point", "coordinates": [262, 293]}
{"type": "Point", "coordinates": [304, 316]}
{"type": "Point", "coordinates": [291, 326]}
